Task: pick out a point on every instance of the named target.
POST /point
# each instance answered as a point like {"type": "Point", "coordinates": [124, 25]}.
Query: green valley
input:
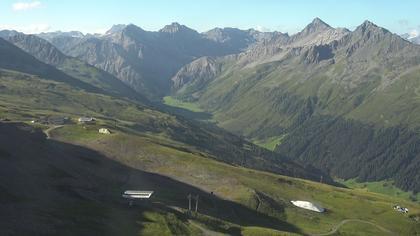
{"type": "Point", "coordinates": [170, 101]}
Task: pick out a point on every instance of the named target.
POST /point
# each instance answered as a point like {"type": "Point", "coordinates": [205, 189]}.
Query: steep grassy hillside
{"type": "Point", "coordinates": [32, 90]}
{"type": "Point", "coordinates": [349, 106]}
{"type": "Point", "coordinates": [51, 188]}
{"type": "Point", "coordinates": [244, 201]}
{"type": "Point", "coordinates": [383, 187]}
{"type": "Point", "coordinates": [25, 97]}
{"type": "Point", "coordinates": [263, 193]}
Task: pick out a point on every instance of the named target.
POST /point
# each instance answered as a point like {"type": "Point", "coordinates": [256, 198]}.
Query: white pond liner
{"type": "Point", "coordinates": [308, 206]}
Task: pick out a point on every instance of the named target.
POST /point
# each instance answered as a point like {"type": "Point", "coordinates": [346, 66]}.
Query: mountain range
{"type": "Point", "coordinates": [334, 104]}
{"type": "Point", "coordinates": [147, 60]}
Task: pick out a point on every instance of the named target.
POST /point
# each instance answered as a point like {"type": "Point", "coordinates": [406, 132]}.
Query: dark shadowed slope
{"type": "Point", "coordinates": [50, 188]}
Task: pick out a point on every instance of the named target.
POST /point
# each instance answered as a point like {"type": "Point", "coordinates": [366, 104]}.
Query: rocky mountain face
{"type": "Point", "coordinates": [317, 47]}
{"type": "Point", "coordinates": [146, 60]}
{"type": "Point", "coordinates": [319, 88]}
{"type": "Point", "coordinates": [234, 39]}
{"type": "Point", "coordinates": [14, 59]}
{"type": "Point", "coordinates": [309, 43]}
{"type": "Point", "coordinates": [316, 33]}
{"type": "Point", "coordinates": [203, 68]}
{"type": "Point", "coordinates": [39, 48]}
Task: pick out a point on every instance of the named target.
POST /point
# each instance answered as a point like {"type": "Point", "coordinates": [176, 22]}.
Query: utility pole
{"type": "Point", "coordinates": [189, 202]}
{"type": "Point", "coordinates": [196, 203]}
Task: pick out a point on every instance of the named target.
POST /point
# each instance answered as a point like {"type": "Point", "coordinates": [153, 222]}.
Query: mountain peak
{"type": "Point", "coordinates": [120, 28]}
{"type": "Point", "coordinates": [175, 27]}
{"type": "Point", "coordinates": [317, 25]}
{"type": "Point", "coordinates": [317, 20]}
{"type": "Point", "coordinates": [368, 26]}
{"type": "Point", "coordinates": [133, 27]}
{"type": "Point", "coordinates": [116, 28]}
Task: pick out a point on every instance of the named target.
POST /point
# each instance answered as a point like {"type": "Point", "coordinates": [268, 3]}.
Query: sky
{"type": "Point", "coordinates": [96, 16]}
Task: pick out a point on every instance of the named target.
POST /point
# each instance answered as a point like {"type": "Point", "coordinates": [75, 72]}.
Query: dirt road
{"type": "Point", "coordinates": [338, 226]}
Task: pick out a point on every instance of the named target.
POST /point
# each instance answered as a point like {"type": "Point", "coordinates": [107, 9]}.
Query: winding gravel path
{"type": "Point", "coordinates": [48, 131]}
{"type": "Point", "coordinates": [338, 226]}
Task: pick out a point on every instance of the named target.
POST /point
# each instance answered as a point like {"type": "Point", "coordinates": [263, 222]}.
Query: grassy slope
{"type": "Point", "coordinates": [54, 188]}
{"type": "Point", "coordinates": [270, 143]}
{"type": "Point", "coordinates": [359, 229]}
{"type": "Point", "coordinates": [26, 97]}
{"type": "Point", "coordinates": [170, 101]}
{"type": "Point", "coordinates": [273, 191]}
{"type": "Point", "coordinates": [394, 105]}
{"type": "Point", "coordinates": [249, 100]}
{"type": "Point", "coordinates": [242, 102]}
{"type": "Point", "coordinates": [157, 153]}
{"type": "Point", "coordinates": [99, 79]}
{"type": "Point", "coordinates": [383, 187]}
{"type": "Point", "coordinates": [270, 100]}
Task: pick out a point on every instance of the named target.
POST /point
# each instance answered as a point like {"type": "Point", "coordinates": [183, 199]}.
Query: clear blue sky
{"type": "Point", "coordinates": [281, 15]}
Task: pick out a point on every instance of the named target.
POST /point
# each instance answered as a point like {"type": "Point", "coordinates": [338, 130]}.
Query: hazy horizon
{"type": "Point", "coordinates": [284, 16]}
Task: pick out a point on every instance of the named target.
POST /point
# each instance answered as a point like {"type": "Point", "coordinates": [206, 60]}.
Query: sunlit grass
{"type": "Point", "coordinates": [383, 187]}
{"type": "Point", "coordinates": [170, 101]}
{"type": "Point", "coordinates": [270, 143]}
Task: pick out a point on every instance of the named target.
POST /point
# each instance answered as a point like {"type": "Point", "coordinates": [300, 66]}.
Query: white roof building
{"type": "Point", "coordinates": [104, 131]}
{"type": "Point", "coordinates": [135, 194]}
{"type": "Point", "coordinates": [86, 119]}
{"type": "Point", "coordinates": [308, 206]}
